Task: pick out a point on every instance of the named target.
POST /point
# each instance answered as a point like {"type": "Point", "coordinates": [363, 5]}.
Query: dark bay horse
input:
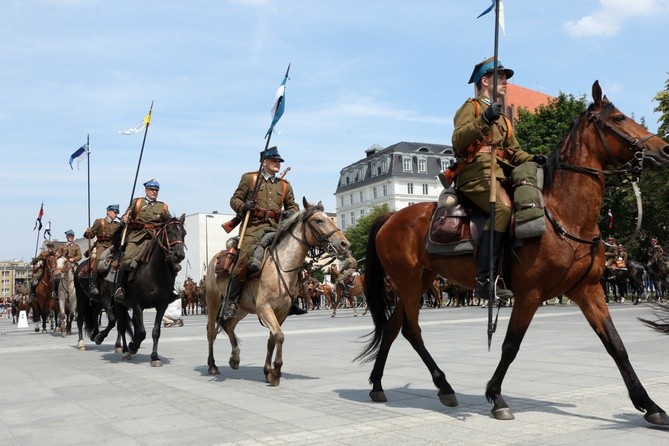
{"type": "Point", "coordinates": [567, 259]}
{"type": "Point", "coordinates": [269, 295]}
{"type": "Point", "coordinates": [153, 284]}
{"type": "Point", "coordinates": [41, 304]}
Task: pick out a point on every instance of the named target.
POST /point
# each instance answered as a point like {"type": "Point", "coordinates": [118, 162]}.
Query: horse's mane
{"type": "Point", "coordinates": [302, 215]}
{"type": "Point", "coordinates": [571, 138]}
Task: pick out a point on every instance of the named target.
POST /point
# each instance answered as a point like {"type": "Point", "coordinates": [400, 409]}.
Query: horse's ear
{"type": "Point", "coordinates": [597, 93]}
{"type": "Point", "coordinates": [182, 219]}
{"type": "Point", "coordinates": [305, 203]}
{"type": "Point", "coordinates": [319, 206]}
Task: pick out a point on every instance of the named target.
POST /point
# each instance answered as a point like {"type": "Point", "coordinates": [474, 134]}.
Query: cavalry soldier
{"type": "Point", "coordinates": [478, 131]}
{"type": "Point", "coordinates": [102, 230]}
{"type": "Point", "coordinates": [347, 269]}
{"type": "Point", "coordinates": [70, 250]}
{"type": "Point", "coordinates": [655, 251]}
{"type": "Point", "coordinates": [39, 270]}
{"type": "Point", "coordinates": [143, 217]}
{"type": "Point", "coordinates": [610, 253]}
{"type": "Point", "coordinates": [274, 194]}
{"type": "Point", "coordinates": [621, 256]}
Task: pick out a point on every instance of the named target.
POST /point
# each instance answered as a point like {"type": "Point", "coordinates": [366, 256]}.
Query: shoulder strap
{"type": "Point", "coordinates": [509, 126]}
{"type": "Point", "coordinates": [138, 205]}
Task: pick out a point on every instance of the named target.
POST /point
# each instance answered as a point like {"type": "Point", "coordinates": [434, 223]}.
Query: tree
{"type": "Point", "coordinates": [662, 97]}
{"type": "Point", "coordinates": [359, 234]}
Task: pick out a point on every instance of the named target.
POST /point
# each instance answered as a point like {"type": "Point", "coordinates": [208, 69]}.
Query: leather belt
{"type": "Point", "coordinates": [487, 149]}
{"type": "Point", "coordinates": [264, 213]}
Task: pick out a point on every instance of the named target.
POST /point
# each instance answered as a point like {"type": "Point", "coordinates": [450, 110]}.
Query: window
{"type": "Point", "coordinates": [360, 196]}
{"type": "Point", "coordinates": [406, 163]}
{"type": "Point", "coordinates": [410, 188]}
{"type": "Point", "coordinates": [342, 223]}
{"type": "Point", "coordinates": [446, 163]}
{"type": "Point", "coordinates": [352, 218]}
{"type": "Point", "coordinates": [375, 168]}
{"type": "Point", "coordinates": [384, 165]}
{"type": "Point", "coordinates": [374, 192]}
{"type": "Point", "coordinates": [426, 189]}
{"type": "Point", "coordinates": [422, 165]}
{"type": "Point", "coordinates": [341, 201]}
{"type": "Point", "coordinates": [362, 212]}
{"type": "Point", "coordinates": [385, 190]}
{"type": "Point", "coordinates": [351, 198]}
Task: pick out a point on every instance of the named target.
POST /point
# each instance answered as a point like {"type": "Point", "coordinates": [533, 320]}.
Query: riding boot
{"type": "Point", "coordinates": [255, 261]}
{"type": "Point", "coordinates": [235, 292]}
{"type": "Point", "coordinates": [483, 278]}
{"type": "Point", "coordinates": [94, 285]}
{"type": "Point", "coordinates": [119, 293]}
{"type": "Point", "coordinates": [295, 309]}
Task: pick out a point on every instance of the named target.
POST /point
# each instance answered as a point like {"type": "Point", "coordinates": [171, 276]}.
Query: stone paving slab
{"type": "Point", "coordinates": [564, 389]}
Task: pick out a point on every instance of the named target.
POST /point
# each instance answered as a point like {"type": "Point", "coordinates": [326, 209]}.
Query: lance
{"type": "Point", "coordinates": [492, 325]}
{"type": "Point", "coordinates": [88, 187]}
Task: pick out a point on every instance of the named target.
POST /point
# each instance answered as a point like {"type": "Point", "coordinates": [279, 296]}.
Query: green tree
{"type": "Point", "coordinates": [662, 98]}
{"type": "Point", "coordinates": [358, 234]}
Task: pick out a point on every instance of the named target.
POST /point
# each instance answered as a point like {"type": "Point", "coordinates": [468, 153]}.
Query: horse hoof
{"type": "Point", "coordinates": [37, 330]}
{"type": "Point", "coordinates": [213, 371]}
{"type": "Point", "coordinates": [274, 382]}
{"type": "Point", "coordinates": [333, 315]}
{"type": "Point", "coordinates": [378, 396]}
{"type": "Point", "coordinates": [503, 414]}
{"type": "Point", "coordinates": [234, 364]}
{"type": "Point", "coordinates": [98, 340]}
{"type": "Point", "coordinates": [659, 418]}
{"type": "Point", "coordinates": [126, 357]}
{"type": "Point", "coordinates": [156, 363]}
{"type": "Point", "coordinates": [118, 350]}
{"type": "Point", "coordinates": [448, 399]}
{"type": "Point", "coordinates": [81, 345]}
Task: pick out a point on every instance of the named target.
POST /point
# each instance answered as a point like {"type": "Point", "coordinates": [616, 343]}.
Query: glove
{"type": "Point", "coordinates": [492, 113]}
{"type": "Point", "coordinates": [540, 159]}
{"type": "Point", "coordinates": [248, 206]}
{"type": "Point", "coordinates": [286, 214]}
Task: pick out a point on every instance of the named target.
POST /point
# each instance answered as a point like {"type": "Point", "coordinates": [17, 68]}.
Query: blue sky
{"type": "Point", "coordinates": [363, 72]}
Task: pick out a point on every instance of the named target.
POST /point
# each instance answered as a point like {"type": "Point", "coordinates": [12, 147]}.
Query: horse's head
{"type": "Point", "coordinates": [627, 145]}
{"type": "Point", "coordinates": [323, 231]}
{"type": "Point", "coordinates": [171, 240]}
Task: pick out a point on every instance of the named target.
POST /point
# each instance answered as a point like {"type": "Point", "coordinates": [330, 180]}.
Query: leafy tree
{"type": "Point", "coordinates": [662, 98]}
{"type": "Point", "coordinates": [359, 234]}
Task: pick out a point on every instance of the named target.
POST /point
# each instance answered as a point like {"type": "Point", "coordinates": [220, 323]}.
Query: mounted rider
{"type": "Point", "coordinates": [610, 252]}
{"type": "Point", "coordinates": [144, 217]}
{"type": "Point", "coordinates": [274, 200]}
{"type": "Point", "coordinates": [70, 250]}
{"type": "Point", "coordinates": [348, 268]}
{"type": "Point", "coordinates": [39, 264]}
{"type": "Point", "coordinates": [480, 128]}
{"type": "Point", "coordinates": [656, 255]}
{"type": "Point", "coordinates": [102, 230]}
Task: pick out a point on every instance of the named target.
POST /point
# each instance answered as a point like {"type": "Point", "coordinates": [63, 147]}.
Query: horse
{"type": "Point", "coordinates": [349, 293]}
{"type": "Point", "coordinates": [191, 297]}
{"type": "Point", "coordinates": [624, 280]}
{"type": "Point", "coordinates": [568, 258]}
{"type": "Point", "coordinates": [41, 304]}
{"type": "Point", "coordinates": [269, 294]}
{"type": "Point", "coordinates": [153, 285]}
{"type": "Point", "coordinates": [67, 297]}
{"type": "Point", "coordinates": [657, 273]}
{"type": "Point", "coordinates": [327, 291]}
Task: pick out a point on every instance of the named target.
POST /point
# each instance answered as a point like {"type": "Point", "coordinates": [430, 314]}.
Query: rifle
{"type": "Point", "coordinates": [231, 224]}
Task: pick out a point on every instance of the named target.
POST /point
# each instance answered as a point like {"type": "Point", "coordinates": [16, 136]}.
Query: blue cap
{"type": "Point", "coordinates": [487, 67]}
{"type": "Point", "coordinates": [272, 152]}
{"type": "Point", "coordinates": [69, 232]}
{"type": "Point", "coordinates": [113, 207]}
{"type": "Point", "coordinates": [152, 183]}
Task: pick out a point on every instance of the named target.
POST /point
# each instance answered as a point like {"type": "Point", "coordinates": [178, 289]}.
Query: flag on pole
{"type": "Point", "coordinates": [501, 14]}
{"type": "Point", "coordinates": [38, 222]}
{"type": "Point", "coordinates": [80, 154]}
{"type": "Point", "coordinates": [279, 103]}
{"type": "Point", "coordinates": [610, 219]}
{"type": "Point", "coordinates": [138, 128]}
{"type": "Point", "coordinates": [47, 231]}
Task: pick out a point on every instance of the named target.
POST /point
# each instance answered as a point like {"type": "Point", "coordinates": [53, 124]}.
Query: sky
{"type": "Point", "coordinates": [362, 73]}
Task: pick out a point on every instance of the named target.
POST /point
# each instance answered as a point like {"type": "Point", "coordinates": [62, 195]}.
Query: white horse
{"type": "Point", "coordinates": [269, 295]}
{"type": "Point", "coordinates": [67, 297]}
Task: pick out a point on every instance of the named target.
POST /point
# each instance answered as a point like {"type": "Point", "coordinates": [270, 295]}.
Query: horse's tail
{"type": "Point", "coordinates": [662, 324]}
{"type": "Point", "coordinates": [375, 292]}
{"type": "Point", "coordinates": [87, 309]}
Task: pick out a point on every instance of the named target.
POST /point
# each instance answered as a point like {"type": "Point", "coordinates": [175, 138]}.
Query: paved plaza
{"type": "Point", "coordinates": [563, 388]}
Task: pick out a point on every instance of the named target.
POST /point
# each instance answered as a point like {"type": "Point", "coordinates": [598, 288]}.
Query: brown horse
{"type": "Point", "coordinates": [41, 304]}
{"type": "Point", "coordinates": [349, 293]}
{"type": "Point", "coordinates": [269, 295]}
{"type": "Point", "coordinates": [567, 259]}
{"type": "Point", "coordinates": [191, 296]}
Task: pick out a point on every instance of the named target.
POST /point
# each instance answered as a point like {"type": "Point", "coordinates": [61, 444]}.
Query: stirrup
{"type": "Point", "coordinates": [119, 295]}
{"type": "Point", "coordinates": [229, 312]}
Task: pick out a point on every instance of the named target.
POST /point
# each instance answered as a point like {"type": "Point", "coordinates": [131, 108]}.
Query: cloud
{"type": "Point", "coordinates": [612, 15]}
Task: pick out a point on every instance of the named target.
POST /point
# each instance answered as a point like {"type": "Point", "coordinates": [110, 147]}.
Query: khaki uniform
{"type": "Point", "coordinates": [274, 195]}
{"type": "Point", "coordinates": [471, 132]}
{"type": "Point", "coordinates": [41, 259]}
{"type": "Point", "coordinates": [69, 250]}
{"type": "Point", "coordinates": [145, 219]}
{"type": "Point", "coordinates": [102, 230]}
{"type": "Point", "coordinates": [347, 270]}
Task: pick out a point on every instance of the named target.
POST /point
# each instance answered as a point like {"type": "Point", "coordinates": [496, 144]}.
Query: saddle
{"type": "Point", "coordinates": [225, 261]}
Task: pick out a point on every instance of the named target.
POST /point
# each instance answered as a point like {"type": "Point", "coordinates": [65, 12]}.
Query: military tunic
{"type": "Point", "coordinates": [70, 251]}
{"type": "Point", "coordinates": [348, 268]}
{"type": "Point", "coordinates": [274, 195]}
{"type": "Point", "coordinates": [102, 230]}
{"type": "Point", "coordinates": [471, 131]}
{"type": "Point", "coordinates": [145, 218]}
{"type": "Point", "coordinates": [39, 261]}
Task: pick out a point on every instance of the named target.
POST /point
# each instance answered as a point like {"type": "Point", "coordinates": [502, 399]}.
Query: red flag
{"type": "Point", "coordinates": [610, 219]}
{"type": "Point", "coordinates": [38, 222]}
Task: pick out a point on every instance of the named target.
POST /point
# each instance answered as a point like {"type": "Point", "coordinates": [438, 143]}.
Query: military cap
{"type": "Point", "coordinates": [69, 232]}
{"type": "Point", "coordinates": [113, 207]}
{"type": "Point", "coordinates": [272, 152]}
{"type": "Point", "coordinates": [152, 183]}
{"type": "Point", "coordinates": [487, 67]}
{"type": "Point", "coordinates": [50, 245]}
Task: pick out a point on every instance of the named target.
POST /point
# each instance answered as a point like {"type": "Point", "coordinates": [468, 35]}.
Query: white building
{"type": "Point", "coordinates": [399, 175]}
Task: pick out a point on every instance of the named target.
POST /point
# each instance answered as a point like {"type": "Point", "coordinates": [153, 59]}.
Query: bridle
{"type": "Point", "coordinates": [167, 245]}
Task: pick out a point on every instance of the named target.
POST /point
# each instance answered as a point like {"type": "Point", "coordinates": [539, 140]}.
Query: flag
{"type": "Point", "coordinates": [279, 103]}
{"type": "Point", "coordinates": [38, 222]}
{"type": "Point", "coordinates": [610, 219]}
{"type": "Point", "coordinates": [47, 230]}
{"type": "Point", "coordinates": [80, 154]}
{"type": "Point", "coordinates": [501, 14]}
{"type": "Point", "coordinates": [138, 128]}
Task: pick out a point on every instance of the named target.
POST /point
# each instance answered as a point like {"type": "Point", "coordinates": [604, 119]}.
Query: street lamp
{"type": "Point", "coordinates": [206, 239]}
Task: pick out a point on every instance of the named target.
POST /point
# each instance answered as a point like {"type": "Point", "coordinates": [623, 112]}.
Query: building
{"type": "Point", "coordinates": [399, 175]}
{"type": "Point", "coordinates": [14, 277]}
{"type": "Point", "coordinates": [520, 97]}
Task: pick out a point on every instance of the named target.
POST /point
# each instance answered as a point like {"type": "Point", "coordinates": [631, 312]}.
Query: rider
{"type": "Point", "coordinates": [610, 253]}
{"type": "Point", "coordinates": [143, 217]}
{"type": "Point", "coordinates": [102, 230]}
{"type": "Point", "coordinates": [70, 250]}
{"type": "Point", "coordinates": [478, 130]}
{"type": "Point", "coordinates": [274, 194]}
{"type": "Point", "coordinates": [39, 271]}
{"type": "Point", "coordinates": [347, 269]}
{"type": "Point", "coordinates": [621, 256]}
{"type": "Point", "coordinates": [656, 255]}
